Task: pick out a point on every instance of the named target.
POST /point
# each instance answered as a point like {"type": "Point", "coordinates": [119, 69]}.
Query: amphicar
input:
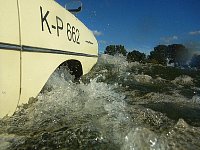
{"type": "Point", "coordinates": [37, 36]}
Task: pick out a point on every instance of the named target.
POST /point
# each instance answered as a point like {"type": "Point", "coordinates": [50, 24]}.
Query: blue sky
{"type": "Point", "coordinates": [142, 24]}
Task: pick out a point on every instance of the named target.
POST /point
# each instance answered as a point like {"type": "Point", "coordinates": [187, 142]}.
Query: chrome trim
{"type": "Point", "coordinates": [6, 46]}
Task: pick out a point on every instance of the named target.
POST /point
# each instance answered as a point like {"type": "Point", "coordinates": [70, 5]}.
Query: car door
{"type": "Point", "coordinates": [10, 50]}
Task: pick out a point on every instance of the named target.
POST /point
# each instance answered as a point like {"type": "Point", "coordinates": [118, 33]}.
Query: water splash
{"type": "Point", "coordinates": [183, 80]}
{"type": "Point", "coordinates": [142, 138]}
{"type": "Point", "coordinates": [118, 105]}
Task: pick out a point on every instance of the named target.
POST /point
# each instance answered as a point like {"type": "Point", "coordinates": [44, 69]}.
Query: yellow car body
{"type": "Point", "coordinates": [36, 36]}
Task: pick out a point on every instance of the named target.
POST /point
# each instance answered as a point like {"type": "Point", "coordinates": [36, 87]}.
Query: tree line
{"type": "Point", "coordinates": [176, 54]}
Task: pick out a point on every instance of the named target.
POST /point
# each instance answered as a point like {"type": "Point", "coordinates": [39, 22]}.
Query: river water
{"type": "Point", "coordinates": [117, 105]}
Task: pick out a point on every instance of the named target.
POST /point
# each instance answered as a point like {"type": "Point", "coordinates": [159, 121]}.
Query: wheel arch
{"type": "Point", "coordinates": [74, 66]}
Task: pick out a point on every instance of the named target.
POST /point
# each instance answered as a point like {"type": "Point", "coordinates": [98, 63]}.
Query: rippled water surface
{"type": "Point", "coordinates": [118, 105]}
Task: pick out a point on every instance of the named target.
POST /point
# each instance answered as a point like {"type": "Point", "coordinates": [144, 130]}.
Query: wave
{"type": "Point", "coordinates": [118, 105]}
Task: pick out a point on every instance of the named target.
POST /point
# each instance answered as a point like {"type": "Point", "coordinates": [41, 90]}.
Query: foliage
{"type": "Point", "coordinates": [115, 49]}
{"type": "Point", "coordinates": [195, 61]}
{"type": "Point", "coordinates": [177, 54]}
{"type": "Point", "coordinates": [159, 54]}
{"type": "Point", "coordinates": [136, 56]}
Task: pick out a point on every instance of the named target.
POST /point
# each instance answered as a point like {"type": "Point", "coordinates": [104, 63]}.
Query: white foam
{"type": "Point", "coordinates": [196, 99]}
{"type": "Point", "coordinates": [142, 138]}
{"type": "Point", "coordinates": [5, 140]}
{"type": "Point", "coordinates": [143, 78]}
{"type": "Point", "coordinates": [67, 99]}
{"type": "Point", "coordinates": [183, 80]}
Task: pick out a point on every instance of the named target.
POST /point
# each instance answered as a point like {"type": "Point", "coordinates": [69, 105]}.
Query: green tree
{"type": "Point", "coordinates": [177, 54]}
{"type": "Point", "coordinates": [115, 49]}
{"type": "Point", "coordinates": [159, 54]}
{"type": "Point", "coordinates": [136, 56]}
